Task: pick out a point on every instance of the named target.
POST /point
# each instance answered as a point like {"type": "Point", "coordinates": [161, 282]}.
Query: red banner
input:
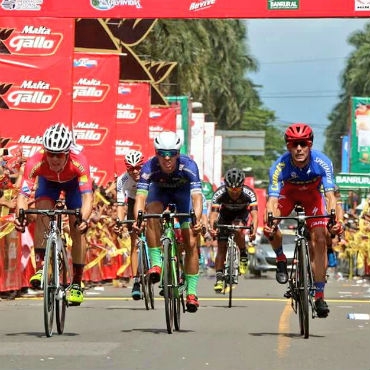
{"type": "Point", "coordinates": [186, 8]}
{"type": "Point", "coordinates": [95, 87]}
{"type": "Point", "coordinates": [160, 119]}
{"type": "Point", "coordinates": [132, 120]}
{"type": "Point", "coordinates": [36, 78]}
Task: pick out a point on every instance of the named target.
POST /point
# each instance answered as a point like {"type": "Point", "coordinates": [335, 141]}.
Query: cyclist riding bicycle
{"type": "Point", "coordinates": [58, 167]}
{"type": "Point", "coordinates": [126, 192]}
{"type": "Point", "coordinates": [171, 178]}
{"type": "Point", "coordinates": [231, 204]}
{"type": "Point", "coordinates": [296, 178]}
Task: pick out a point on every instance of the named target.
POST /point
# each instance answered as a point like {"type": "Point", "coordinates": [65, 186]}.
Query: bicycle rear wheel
{"type": "Point", "coordinates": [303, 291]}
{"type": "Point", "coordinates": [168, 286]}
{"type": "Point", "coordinates": [61, 301]}
{"type": "Point", "coordinates": [143, 261]}
{"type": "Point", "coordinates": [49, 278]}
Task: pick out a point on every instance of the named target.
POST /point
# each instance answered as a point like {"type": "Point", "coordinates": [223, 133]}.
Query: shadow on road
{"type": "Point", "coordinates": [289, 335]}
{"type": "Point", "coordinates": [154, 331]}
{"type": "Point", "coordinates": [38, 334]}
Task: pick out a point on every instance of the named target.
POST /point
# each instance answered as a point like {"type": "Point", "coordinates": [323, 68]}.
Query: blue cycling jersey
{"type": "Point", "coordinates": [186, 175]}
{"type": "Point", "coordinates": [319, 170]}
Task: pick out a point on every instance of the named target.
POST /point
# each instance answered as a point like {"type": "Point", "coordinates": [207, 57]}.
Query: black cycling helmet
{"type": "Point", "coordinates": [234, 178]}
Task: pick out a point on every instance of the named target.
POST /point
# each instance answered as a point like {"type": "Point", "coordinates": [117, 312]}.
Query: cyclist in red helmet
{"type": "Point", "coordinates": [296, 177]}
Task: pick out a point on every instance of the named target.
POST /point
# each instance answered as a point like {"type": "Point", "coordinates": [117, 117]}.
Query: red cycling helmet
{"type": "Point", "coordinates": [298, 131]}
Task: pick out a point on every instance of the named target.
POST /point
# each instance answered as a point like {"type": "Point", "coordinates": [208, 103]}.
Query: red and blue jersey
{"type": "Point", "coordinates": [319, 171]}
{"type": "Point", "coordinates": [75, 167]}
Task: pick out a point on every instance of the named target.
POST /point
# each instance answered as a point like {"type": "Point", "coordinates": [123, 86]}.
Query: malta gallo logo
{"type": "Point", "coordinates": [124, 146]}
{"type": "Point", "coordinates": [98, 175]}
{"type": "Point", "coordinates": [90, 90]}
{"type": "Point", "coordinates": [89, 133]}
{"type": "Point", "coordinates": [30, 95]}
{"type": "Point", "coordinates": [30, 40]}
{"type": "Point", "coordinates": [128, 114]}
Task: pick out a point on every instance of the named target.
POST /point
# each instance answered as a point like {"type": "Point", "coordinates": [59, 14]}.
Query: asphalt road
{"type": "Point", "coordinates": [110, 331]}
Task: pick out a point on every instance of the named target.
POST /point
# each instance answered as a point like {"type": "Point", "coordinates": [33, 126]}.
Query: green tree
{"type": "Point", "coordinates": [354, 82]}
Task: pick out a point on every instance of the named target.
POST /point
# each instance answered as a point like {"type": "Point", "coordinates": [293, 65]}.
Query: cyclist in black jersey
{"type": "Point", "coordinates": [231, 204]}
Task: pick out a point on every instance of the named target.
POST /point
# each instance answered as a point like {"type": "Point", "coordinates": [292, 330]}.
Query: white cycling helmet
{"type": "Point", "coordinates": [167, 140]}
{"type": "Point", "coordinates": [134, 158]}
{"type": "Point", "coordinates": [57, 138]}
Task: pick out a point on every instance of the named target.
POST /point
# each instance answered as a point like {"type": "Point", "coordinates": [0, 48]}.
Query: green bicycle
{"type": "Point", "coordinates": [172, 269]}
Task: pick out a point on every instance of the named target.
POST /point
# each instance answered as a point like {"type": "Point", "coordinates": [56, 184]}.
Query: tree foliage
{"type": "Point", "coordinates": [355, 81]}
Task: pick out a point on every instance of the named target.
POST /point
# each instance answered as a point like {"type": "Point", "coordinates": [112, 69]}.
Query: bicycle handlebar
{"type": "Point", "coordinates": [165, 215]}
{"type": "Point", "coordinates": [232, 227]}
{"type": "Point", "coordinates": [119, 222]}
{"type": "Point", "coordinates": [300, 217]}
{"type": "Point", "coordinates": [49, 213]}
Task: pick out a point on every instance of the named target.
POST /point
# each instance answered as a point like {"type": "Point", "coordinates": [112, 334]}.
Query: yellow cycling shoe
{"type": "Point", "coordinates": [219, 286]}
{"type": "Point", "coordinates": [74, 295]}
{"type": "Point", "coordinates": [35, 280]}
{"type": "Point", "coordinates": [243, 266]}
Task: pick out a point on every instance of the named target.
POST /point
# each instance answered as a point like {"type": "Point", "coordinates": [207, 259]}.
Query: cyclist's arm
{"type": "Point", "coordinates": [140, 200]}
{"type": "Point", "coordinates": [197, 204]}
{"type": "Point", "coordinates": [87, 205]}
{"type": "Point", "coordinates": [254, 215]}
{"type": "Point", "coordinates": [272, 207]}
{"type": "Point", "coordinates": [122, 211]}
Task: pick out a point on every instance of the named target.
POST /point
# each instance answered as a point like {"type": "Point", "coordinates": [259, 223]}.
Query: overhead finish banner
{"type": "Point", "coordinates": [160, 119]}
{"type": "Point", "coordinates": [35, 79]}
{"type": "Point", "coordinates": [186, 8]}
{"type": "Point", "coordinates": [132, 121]}
{"type": "Point", "coordinates": [360, 135]}
{"type": "Point", "coordinates": [94, 110]}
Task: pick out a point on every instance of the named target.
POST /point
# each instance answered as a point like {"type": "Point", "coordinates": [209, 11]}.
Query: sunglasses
{"type": "Point", "coordinates": [167, 153]}
{"type": "Point", "coordinates": [58, 155]}
{"type": "Point", "coordinates": [233, 190]}
{"type": "Point", "coordinates": [302, 144]}
{"type": "Point", "coordinates": [132, 169]}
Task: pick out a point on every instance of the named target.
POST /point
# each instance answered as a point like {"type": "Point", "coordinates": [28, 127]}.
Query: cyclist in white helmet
{"type": "Point", "coordinates": [171, 178]}
{"type": "Point", "coordinates": [57, 167]}
{"type": "Point", "coordinates": [126, 192]}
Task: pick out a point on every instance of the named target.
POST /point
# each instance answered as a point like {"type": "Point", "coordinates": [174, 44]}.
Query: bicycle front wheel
{"type": "Point", "coordinates": [230, 272]}
{"type": "Point", "coordinates": [49, 278]}
{"type": "Point", "coordinates": [61, 300]}
{"type": "Point", "coordinates": [303, 291]}
{"type": "Point", "coordinates": [168, 286]}
{"type": "Point", "coordinates": [144, 279]}
{"type": "Point", "coordinates": [178, 298]}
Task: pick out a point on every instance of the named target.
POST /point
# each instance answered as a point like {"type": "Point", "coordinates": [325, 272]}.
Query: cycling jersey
{"type": "Point", "coordinates": [222, 201]}
{"type": "Point", "coordinates": [284, 173]}
{"type": "Point", "coordinates": [175, 187]}
{"type": "Point", "coordinates": [126, 188]}
{"type": "Point", "coordinates": [185, 176]}
{"type": "Point", "coordinates": [76, 171]}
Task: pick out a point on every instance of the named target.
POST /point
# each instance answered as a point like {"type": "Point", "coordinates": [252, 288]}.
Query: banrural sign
{"type": "Point", "coordinates": [352, 180]}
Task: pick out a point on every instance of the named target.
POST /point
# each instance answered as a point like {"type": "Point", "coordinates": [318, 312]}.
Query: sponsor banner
{"type": "Point", "coordinates": [360, 135]}
{"type": "Point", "coordinates": [132, 121]}
{"type": "Point", "coordinates": [208, 150]}
{"type": "Point", "coordinates": [345, 154]}
{"type": "Point", "coordinates": [160, 119]}
{"type": "Point", "coordinates": [95, 86]}
{"type": "Point", "coordinates": [197, 141]}
{"type": "Point", "coordinates": [217, 168]}
{"type": "Point", "coordinates": [185, 8]}
{"type": "Point", "coordinates": [35, 80]}
{"type": "Point", "coordinates": [352, 180]}
{"type": "Point", "coordinates": [261, 200]}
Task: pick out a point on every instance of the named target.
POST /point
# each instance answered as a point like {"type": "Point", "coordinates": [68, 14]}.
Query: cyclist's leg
{"type": "Point", "coordinates": [156, 201]}
{"type": "Point", "coordinates": [74, 201]}
{"type": "Point", "coordinates": [318, 253]}
{"type": "Point", "coordinates": [241, 220]}
{"type": "Point", "coordinates": [46, 195]}
{"type": "Point", "coordinates": [220, 264]}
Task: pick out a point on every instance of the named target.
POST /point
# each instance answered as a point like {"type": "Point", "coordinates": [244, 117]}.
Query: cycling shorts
{"type": "Point", "coordinates": [312, 201]}
{"type": "Point", "coordinates": [51, 190]}
{"type": "Point", "coordinates": [181, 197]}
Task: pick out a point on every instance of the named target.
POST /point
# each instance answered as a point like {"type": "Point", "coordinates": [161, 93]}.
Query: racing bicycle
{"type": "Point", "coordinates": [301, 287]}
{"type": "Point", "coordinates": [56, 275]}
{"type": "Point", "coordinates": [171, 280]}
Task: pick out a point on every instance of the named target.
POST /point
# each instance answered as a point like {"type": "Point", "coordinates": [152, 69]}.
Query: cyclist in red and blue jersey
{"type": "Point", "coordinates": [171, 178]}
{"type": "Point", "coordinates": [296, 178]}
{"type": "Point", "coordinates": [58, 167]}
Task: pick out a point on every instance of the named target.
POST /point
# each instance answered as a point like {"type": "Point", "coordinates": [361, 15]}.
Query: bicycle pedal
{"type": "Point", "coordinates": [288, 294]}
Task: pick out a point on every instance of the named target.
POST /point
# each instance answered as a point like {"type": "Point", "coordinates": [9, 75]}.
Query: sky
{"type": "Point", "coordinates": [300, 62]}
